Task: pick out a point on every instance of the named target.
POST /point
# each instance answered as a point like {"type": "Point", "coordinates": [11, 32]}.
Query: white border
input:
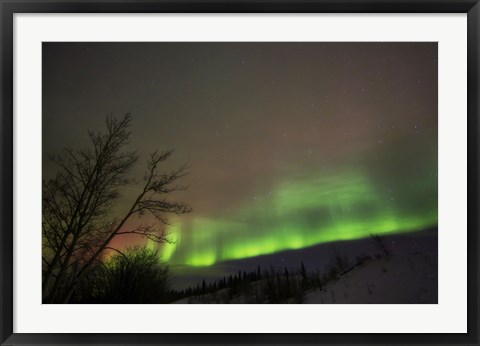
{"type": "Point", "coordinates": [449, 316]}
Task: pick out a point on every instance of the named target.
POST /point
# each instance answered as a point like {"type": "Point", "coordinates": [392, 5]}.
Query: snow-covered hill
{"type": "Point", "coordinates": [399, 279]}
{"type": "Point", "coordinates": [405, 279]}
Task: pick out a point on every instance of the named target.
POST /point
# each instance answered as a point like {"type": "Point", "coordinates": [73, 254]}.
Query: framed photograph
{"type": "Point", "coordinates": [239, 173]}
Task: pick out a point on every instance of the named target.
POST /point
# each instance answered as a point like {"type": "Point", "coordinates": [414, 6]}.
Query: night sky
{"type": "Point", "coordinates": [290, 145]}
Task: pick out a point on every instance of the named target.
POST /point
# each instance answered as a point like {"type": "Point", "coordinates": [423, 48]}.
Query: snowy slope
{"type": "Point", "coordinates": [398, 279]}
{"type": "Point", "coordinates": [395, 280]}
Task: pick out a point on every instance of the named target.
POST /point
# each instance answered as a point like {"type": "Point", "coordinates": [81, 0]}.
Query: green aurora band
{"type": "Point", "coordinates": [302, 213]}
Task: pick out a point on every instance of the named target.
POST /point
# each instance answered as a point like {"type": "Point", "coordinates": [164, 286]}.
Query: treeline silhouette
{"type": "Point", "coordinates": [276, 285]}
{"type": "Point", "coordinates": [259, 286]}
{"type": "Point", "coordinates": [272, 286]}
{"type": "Point", "coordinates": [138, 276]}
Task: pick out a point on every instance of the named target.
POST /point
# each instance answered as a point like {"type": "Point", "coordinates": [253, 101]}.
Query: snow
{"type": "Point", "coordinates": [397, 279]}
{"type": "Point", "coordinates": [402, 279]}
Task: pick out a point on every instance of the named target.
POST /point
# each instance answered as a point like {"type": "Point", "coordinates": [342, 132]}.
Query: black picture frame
{"type": "Point", "coordinates": [10, 7]}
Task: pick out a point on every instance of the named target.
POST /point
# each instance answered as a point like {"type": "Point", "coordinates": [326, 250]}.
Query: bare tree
{"type": "Point", "coordinates": [78, 222]}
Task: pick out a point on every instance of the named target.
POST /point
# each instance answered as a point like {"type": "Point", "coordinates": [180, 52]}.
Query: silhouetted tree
{"type": "Point", "coordinates": [286, 274]}
{"type": "Point", "coordinates": [303, 271]}
{"type": "Point", "coordinates": [78, 224]}
{"type": "Point", "coordinates": [380, 245]}
{"type": "Point", "coordinates": [340, 261]}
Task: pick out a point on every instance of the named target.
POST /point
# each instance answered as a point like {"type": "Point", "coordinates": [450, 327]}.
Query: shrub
{"type": "Point", "coordinates": [136, 276]}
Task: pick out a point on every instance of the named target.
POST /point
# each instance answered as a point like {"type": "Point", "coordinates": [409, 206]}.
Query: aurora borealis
{"type": "Point", "coordinates": [290, 145]}
{"type": "Point", "coordinates": [298, 215]}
